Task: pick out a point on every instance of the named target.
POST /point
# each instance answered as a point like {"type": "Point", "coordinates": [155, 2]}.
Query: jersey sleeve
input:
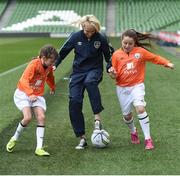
{"type": "Point", "coordinates": [26, 77]}
{"type": "Point", "coordinates": [107, 50]}
{"type": "Point", "coordinates": [65, 49]}
{"type": "Point", "coordinates": [156, 59]}
{"type": "Point", "coordinates": [114, 62]}
{"type": "Point", "coordinates": [51, 81]}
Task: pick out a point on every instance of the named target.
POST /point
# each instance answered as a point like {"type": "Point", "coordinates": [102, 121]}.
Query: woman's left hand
{"type": "Point", "coordinates": [112, 72]}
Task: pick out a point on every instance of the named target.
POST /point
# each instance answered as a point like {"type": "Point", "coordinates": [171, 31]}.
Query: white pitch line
{"type": "Point", "coordinates": [12, 70]}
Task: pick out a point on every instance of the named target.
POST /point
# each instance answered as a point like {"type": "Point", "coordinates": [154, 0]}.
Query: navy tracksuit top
{"type": "Point", "coordinates": [88, 52]}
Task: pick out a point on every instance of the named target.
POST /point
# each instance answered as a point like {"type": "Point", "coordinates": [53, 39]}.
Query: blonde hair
{"type": "Point", "coordinates": [91, 19]}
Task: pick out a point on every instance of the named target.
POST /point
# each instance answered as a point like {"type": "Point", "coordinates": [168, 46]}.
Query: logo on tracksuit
{"type": "Point", "coordinates": [79, 43]}
{"type": "Point", "coordinates": [97, 44]}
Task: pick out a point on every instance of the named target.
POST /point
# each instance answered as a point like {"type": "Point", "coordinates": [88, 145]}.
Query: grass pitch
{"type": "Point", "coordinates": [121, 157]}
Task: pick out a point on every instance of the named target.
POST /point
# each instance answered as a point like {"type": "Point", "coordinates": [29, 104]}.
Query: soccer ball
{"type": "Point", "coordinates": [100, 138]}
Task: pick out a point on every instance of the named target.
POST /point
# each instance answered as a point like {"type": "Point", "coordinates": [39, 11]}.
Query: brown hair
{"type": "Point", "coordinates": [48, 51]}
{"type": "Point", "coordinates": [138, 37]}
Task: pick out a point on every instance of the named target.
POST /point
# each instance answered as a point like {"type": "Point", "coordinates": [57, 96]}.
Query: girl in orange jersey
{"type": "Point", "coordinates": [129, 69]}
{"type": "Point", "coordinates": [29, 95]}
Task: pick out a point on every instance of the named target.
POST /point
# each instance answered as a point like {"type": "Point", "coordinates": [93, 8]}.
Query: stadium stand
{"type": "Point", "coordinates": [56, 16]}
{"type": "Point", "coordinates": [3, 4]}
{"type": "Point", "coordinates": [53, 16]}
{"type": "Point", "coordinates": [147, 16]}
{"type": "Point", "coordinates": [173, 27]}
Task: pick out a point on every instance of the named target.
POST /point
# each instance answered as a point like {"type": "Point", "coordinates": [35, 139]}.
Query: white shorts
{"type": "Point", "coordinates": [22, 100]}
{"type": "Point", "coordinates": [131, 96]}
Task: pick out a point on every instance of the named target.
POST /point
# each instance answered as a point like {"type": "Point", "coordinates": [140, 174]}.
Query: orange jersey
{"type": "Point", "coordinates": [34, 77]}
{"type": "Point", "coordinates": [130, 67]}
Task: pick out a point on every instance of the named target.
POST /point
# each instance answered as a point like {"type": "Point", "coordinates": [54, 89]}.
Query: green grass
{"type": "Point", "coordinates": [16, 51]}
{"type": "Point", "coordinates": [121, 157]}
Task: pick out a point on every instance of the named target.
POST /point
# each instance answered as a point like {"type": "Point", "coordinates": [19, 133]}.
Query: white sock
{"type": "Point", "coordinates": [144, 122]}
{"type": "Point", "coordinates": [97, 124]}
{"type": "Point", "coordinates": [19, 130]}
{"type": "Point", "coordinates": [40, 136]}
{"type": "Point", "coordinates": [130, 124]}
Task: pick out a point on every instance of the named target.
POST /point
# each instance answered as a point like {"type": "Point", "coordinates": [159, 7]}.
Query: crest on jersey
{"type": "Point", "coordinates": [97, 44]}
{"type": "Point", "coordinates": [137, 55]}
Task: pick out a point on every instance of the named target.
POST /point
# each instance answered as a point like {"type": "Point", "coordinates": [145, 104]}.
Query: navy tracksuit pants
{"type": "Point", "coordinates": [78, 83]}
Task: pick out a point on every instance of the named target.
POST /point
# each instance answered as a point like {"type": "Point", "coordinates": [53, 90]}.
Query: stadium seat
{"type": "Point", "coordinates": [48, 16]}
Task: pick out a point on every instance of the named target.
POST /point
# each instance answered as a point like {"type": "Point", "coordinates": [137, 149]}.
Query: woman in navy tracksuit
{"type": "Point", "coordinates": [89, 47]}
